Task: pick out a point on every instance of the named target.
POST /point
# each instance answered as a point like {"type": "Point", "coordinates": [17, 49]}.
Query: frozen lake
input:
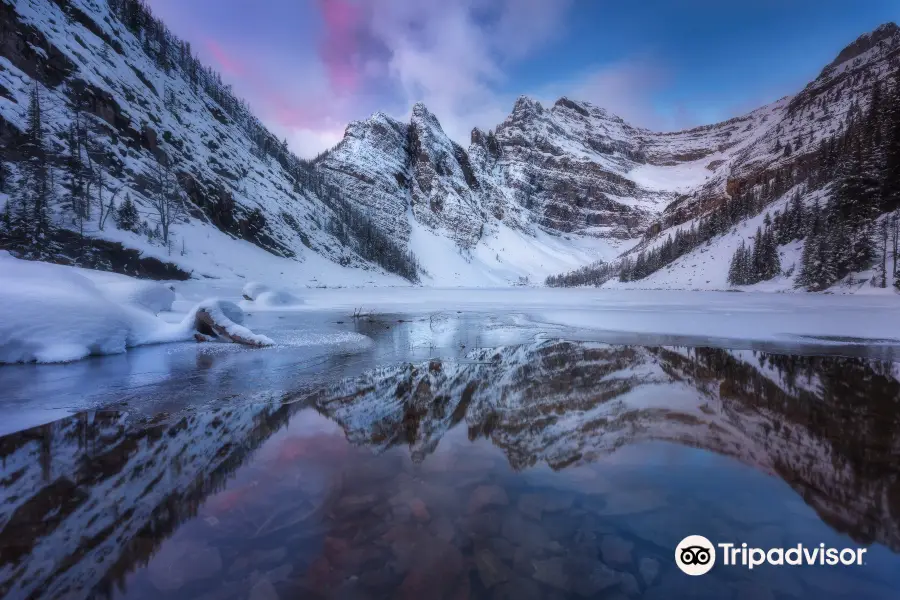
{"type": "Point", "coordinates": [551, 450]}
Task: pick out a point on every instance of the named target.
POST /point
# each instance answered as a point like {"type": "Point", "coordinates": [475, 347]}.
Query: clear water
{"type": "Point", "coordinates": [457, 459]}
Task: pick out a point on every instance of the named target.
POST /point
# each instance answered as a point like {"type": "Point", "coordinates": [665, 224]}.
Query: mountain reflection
{"type": "Point", "coordinates": [828, 426]}
{"type": "Point", "coordinates": [86, 500]}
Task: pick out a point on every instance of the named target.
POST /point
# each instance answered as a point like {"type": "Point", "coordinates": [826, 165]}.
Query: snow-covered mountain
{"type": "Point", "coordinates": [142, 100]}
{"type": "Point", "coordinates": [583, 176]}
{"type": "Point", "coordinates": [550, 189]}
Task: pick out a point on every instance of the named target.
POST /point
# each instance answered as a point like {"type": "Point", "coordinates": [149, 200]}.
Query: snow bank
{"type": "Point", "coordinates": [253, 289]}
{"type": "Point", "coordinates": [277, 298]}
{"type": "Point", "coordinates": [51, 313]}
{"type": "Point", "coordinates": [148, 295]}
{"type": "Point", "coordinates": [259, 295]}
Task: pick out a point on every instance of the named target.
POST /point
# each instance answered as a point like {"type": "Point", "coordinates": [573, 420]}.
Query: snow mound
{"type": "Point", "coordinates": [51, 313]}
{"type": "Point", "coordinates": [259, 295]}
{"type": "Point", "coordinates": [253, 289]}
{"type": "Point", "coordinates": [277, 298]}
{"type": "Point", "coordinates": [148, 295]}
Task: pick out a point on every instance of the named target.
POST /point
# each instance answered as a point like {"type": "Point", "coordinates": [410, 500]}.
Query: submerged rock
{"type": "Point", "coordinates": [615, 550]}
{"type": "Point", "coordinates": [487, 495]}
{"type": "Point", "coordinates": [649, 569]}
{"type": "Point", "coordinates": [491, 569]}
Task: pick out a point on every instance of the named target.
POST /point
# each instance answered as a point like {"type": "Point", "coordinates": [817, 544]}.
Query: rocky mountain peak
{"type": "Point", "coordinates": [526, 107]}
{"type": "Point", "coordinates": [579, 107]}
{"type": "Point", "coordinates": [424, 118]}
{"type": "Point", "coordinates": [886, 32]}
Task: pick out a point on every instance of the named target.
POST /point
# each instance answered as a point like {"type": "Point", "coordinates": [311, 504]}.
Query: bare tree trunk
{"type": "Point", "coordinates": [884, 252]}
{"type": "Point", "coordinates": [895, 221]}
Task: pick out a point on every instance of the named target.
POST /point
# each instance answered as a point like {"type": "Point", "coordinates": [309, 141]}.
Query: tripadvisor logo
{"type": "Point", "coordinates": [696, 555]}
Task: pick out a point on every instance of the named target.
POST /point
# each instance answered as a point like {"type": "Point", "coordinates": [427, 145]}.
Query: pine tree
{"type": "Point", "coordinates": [810, 270]}
{"type": "Point", "coordinates": [76, 200]}
{"type": "Point", "coordinates": [890, 188]}
{"type": "Point", "coordinates": [127, 216]}
{"type": "Point", "coordinates": [31, 221]}
{"type": "Point", "coordinates": [6, 220]}
{"type": "Point", "coordinates": [853, 208]}
{"type": "Point", "coordinates": [881, 279]}
{"type": "Point", "coordinates": [738, 268]}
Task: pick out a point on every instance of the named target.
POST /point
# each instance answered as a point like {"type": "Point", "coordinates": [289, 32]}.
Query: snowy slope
{"type": "Point", "coordinates": [140, 111]}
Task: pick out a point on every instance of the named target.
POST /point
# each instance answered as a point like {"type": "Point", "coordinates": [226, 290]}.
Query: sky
{"type": "Point", "coordinates": [309, 67]}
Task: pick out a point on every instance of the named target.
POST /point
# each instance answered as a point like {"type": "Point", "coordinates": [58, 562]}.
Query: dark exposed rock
{"type": "Point", "coordinates": [865, 42]}
{"type": "Point", "coordinates": [102, 255]}
{"type": "Point", "coordinates": [18, 43]}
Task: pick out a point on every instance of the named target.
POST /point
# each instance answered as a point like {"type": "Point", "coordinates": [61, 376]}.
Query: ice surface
{"type": "Point", "coordinates": [752, 316]}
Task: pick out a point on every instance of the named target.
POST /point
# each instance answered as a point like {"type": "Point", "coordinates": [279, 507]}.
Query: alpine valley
{"type": "Point", "coordinates": [153, 168]}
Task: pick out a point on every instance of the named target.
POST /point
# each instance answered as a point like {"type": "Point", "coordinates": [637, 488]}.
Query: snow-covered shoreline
{"type": "Point", "coordinates": [52, 313]}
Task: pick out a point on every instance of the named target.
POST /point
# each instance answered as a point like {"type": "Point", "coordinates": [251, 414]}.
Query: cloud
{"type": "Point", "coordinates": [308, 142]}
{"type": "Point", "coordinates": [339, 47]}
{"type": "Point", "coordinates": [228, 64]}
{"type": "Point", "coordinates": [453, 55]}
{"type": "Point", "coordinates": [625, 88]}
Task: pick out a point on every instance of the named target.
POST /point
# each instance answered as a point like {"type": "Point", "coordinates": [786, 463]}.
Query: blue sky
{"type": "Point", "coordinates": [310, 66]}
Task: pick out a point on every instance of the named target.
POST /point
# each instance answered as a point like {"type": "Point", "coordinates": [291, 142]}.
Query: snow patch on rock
{"type": "Point", "coordinates": [253, 289]}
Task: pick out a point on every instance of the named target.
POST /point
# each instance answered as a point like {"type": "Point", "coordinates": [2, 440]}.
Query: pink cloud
{"type": "Point", "coordinates": [339, 47]}
{"type": "Point", "coordinates": [228, 64]}
{"type": "Point", "coordinates": [285, 111]}
{"type": "Point", "coordinates": [292, 114]}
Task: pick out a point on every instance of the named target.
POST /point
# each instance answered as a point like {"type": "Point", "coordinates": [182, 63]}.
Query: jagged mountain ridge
{"type": "Point", "coordinates": [575, 170]}
{"type": "Point", "coordinates": [548, 190]}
